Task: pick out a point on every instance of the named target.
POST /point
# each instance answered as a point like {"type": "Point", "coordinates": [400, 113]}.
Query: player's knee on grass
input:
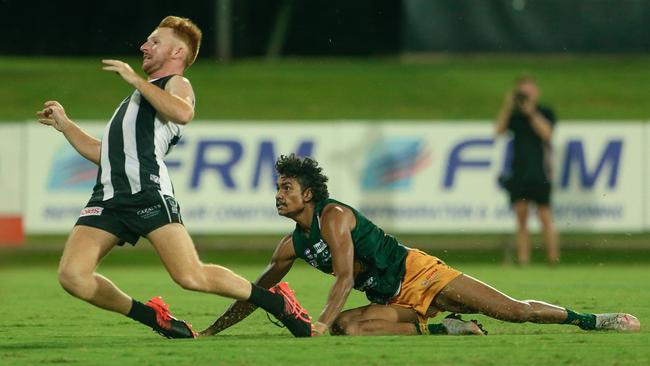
{"type": "Point", "coordinates": [347, 328]}
{"type": "Point", "coordinates": [363, 327]}
{"type": "Point", "coordinates": [341, 324]}
{"type": "Point", "coordinates": [351, 328]}
{"type": "Point", "coordinates": [337, 328]}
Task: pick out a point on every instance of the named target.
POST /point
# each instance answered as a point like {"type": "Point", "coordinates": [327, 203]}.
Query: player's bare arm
{"type": "Point", "coordinates": [280, 264]}
{"type": "Point", "coordinates": [337, 223]}
{"type": "Point", "coordinates": [175, 103]}
{"type": "Point", "coordinates": [53, 114]}
{"type": "Point", "coordinates": [504, 113]}
{"type": "Point", "coordinates": [542, 127]}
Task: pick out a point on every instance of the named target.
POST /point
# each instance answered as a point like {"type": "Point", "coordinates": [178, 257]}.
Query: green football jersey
{"type": "Point", "coordinates": [378, 257]}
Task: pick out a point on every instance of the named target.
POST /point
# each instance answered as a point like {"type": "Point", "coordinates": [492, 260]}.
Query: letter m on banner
{"type": "Point", "coordinates": [575, 161]}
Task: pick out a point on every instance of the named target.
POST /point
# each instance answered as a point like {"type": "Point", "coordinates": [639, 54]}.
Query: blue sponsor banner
{"type": "Point", "coordinates": [415, 177]}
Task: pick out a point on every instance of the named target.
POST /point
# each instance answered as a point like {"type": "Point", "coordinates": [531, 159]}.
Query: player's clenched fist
{"type": "Point", "coordinates": [53, 115]}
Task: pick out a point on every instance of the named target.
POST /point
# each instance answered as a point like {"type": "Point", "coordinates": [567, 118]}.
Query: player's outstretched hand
{"type": "Point", "coordinates": [53, 115]}
{"type": "Point", "coordinates": [121, 68]}
{"type": "Point", "coordinates": [319, 329]}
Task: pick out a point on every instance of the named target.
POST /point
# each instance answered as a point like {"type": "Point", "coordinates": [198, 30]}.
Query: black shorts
{"type": "Point", "coordinates": [539, 193]}
{"type": "Point", "coordinates": [129, 218]}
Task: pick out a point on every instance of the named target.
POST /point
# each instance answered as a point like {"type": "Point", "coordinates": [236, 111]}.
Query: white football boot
{"type": "Point", "coordinates": [617, 321]}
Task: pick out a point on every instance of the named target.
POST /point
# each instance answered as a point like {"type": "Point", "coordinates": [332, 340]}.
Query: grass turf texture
{"type": "Point", "coordinates": [41, 324]}
{"type": "Point", "coordinates": [458, 87]}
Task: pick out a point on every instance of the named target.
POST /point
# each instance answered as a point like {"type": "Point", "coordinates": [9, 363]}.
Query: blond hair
{"type": "Point", "coordinates": [186, 31]}
{"type": "Point", "coordinates": [525, 79]}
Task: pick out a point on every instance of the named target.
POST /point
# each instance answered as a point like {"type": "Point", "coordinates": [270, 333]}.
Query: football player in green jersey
{"type": "Point", "coordinates": [405, 286]}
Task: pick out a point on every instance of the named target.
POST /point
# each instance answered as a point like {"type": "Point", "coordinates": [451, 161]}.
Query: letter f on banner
{"type": "Point", "coordinates": [456, 161]}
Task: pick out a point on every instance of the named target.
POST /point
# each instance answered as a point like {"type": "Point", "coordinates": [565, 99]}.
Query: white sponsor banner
{"type": "Point", "coordinates": [11, 168]}
{"type": "Point", "coordinates": [599, 172]}
{"type": "Point", "coordinates": [59, 181]}
{"type": "Point", "coordinates": [443, 177]}
{"type": "Point", "coordinates": [224, 173]}
{"type": "Point", "coordinates": [418, 177]}
{"type": "Point", "coordinates": [407, 176]}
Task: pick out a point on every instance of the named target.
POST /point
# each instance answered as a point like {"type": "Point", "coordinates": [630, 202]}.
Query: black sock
{"type": "Point", "coordinates": [267, 300]}
{"type": "Point", "coordinates": [585, 321]}
{"type": "Point", "coordinates": [437, 329]}
{"type": "Point", "coordinates": [142, 313]}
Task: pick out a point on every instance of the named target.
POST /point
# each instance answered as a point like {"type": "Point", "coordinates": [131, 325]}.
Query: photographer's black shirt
{"type": "Point", "coordinates": [531, 161]}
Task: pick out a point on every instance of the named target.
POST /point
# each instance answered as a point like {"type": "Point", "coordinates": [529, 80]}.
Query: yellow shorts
{"type": "Point", "coordinates": [424, 278]}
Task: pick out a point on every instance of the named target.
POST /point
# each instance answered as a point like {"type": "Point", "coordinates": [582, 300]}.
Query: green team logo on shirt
{"type": "Point", "coordinates": [319, 255]}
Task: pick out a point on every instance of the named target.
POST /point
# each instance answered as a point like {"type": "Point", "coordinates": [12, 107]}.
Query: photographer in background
{"type": "Point", "coordinates": [529, 177]}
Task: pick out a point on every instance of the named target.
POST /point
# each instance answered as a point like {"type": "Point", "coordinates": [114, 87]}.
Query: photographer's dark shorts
{"type": "Point", "coordinates": [539, 193]}
{"type": "Point", "coordinates": [131, 217]}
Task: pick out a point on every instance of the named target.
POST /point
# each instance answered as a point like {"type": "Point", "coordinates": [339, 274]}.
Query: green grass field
{"type": "Point", "coordinates": [41, 324]}
{"type": "Point", "coordinates": [454, 87]}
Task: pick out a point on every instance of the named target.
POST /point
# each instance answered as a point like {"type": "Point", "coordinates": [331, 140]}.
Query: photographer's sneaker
{"type": "Point", "coordinates": [617, 321]}
{"type": "Point", "coordinates": [455, 325]}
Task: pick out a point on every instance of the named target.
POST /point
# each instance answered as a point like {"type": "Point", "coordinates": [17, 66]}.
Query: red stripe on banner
{"type": "Point", "coordinates": [11, 230]}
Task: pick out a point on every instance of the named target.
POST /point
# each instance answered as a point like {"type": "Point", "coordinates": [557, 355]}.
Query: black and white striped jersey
{"type": "Point", "coordinates": [134, 144]}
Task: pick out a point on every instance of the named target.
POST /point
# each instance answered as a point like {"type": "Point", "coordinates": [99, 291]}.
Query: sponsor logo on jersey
{"type": "Point", "coordinates": [173, 205]}
{"type": "Point", "coordinates": [149, 212]}
{"type": "Point", "coordinates": [91, 211]}
{"type": "Point", "coordinates": [430, 278]}
{"type": "Point", "coordinates": [154, 178]}
{"type": "Point", "coordinates": [320, 246]}
{"type": "Point", "coordinates": [318, 253]}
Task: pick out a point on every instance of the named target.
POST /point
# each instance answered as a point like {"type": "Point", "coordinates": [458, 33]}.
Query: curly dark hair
{"type": "Point", "coordinates": [307, 172]}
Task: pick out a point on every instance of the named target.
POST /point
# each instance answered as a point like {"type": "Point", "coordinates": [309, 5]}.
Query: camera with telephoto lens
{"type": "Point", "coordinates": [520, 98]}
